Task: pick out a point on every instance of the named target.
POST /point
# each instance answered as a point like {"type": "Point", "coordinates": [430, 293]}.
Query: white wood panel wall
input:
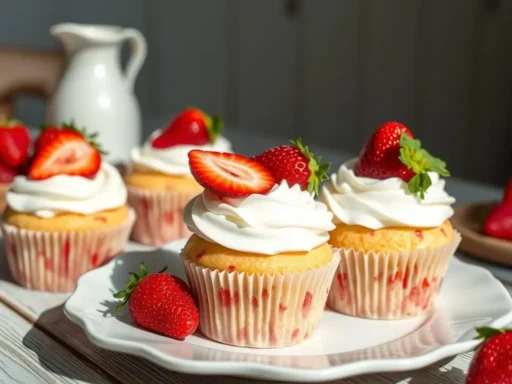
{"type": "Point", "coordinates": [329, 70]}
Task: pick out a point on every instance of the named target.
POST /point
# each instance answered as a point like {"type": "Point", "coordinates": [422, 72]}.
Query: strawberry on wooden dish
{"type": "Point", "coordinates": [258, 260]}
{"type": "Point", "coordinates": [14, 152]}
{"type": "Point", "coordinates": [393, 231]}
{"type": "Point", "coordinates": [160, 182]}
{"type": "Point", "coordinates": [66, 211]}
{"type": "Point", "coordinates": [498, 223]}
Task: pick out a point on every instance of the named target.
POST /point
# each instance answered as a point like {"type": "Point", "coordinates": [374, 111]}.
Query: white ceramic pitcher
{"type": "Point", "coordinates": [94, 92]}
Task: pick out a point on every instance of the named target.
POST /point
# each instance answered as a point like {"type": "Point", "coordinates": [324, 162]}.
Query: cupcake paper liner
{"type": "Point", "coordinates": [53, 261]}
{"type": "Point", "coordinates": [389, 285]}
{"type": "Point", "coordinates": [159, 215]}
{"type": "Point", "coordinates": [260, 311]}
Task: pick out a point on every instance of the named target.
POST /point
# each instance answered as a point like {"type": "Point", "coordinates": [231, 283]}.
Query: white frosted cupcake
{"type": "Point", "coordinates": [160, 182]}
{"type": "Point", "coordinates": [392, 228]}
{"type": "Point", "coordinates": [68, 216]}
{"type": "Point", "coordinates": [258, 261]}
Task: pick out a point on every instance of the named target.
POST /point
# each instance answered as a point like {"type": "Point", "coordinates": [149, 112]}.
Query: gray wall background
{"type": "Point", "coordinates": [328, 70]}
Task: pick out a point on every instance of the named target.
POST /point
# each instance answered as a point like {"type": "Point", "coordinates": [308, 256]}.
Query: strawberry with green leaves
{"type": "Point", "coordinates": [492, 363]}
{"type": "Point", "coordinates": [190, 127]}
{"type": "Point", "coordinates": [65, 150]}
{"type": "Point", "coordinates": [392, 151]}
{"type": "Point", "coordinates": [161, 303]}
{"type": "Point", "coordinates": [296, 164]}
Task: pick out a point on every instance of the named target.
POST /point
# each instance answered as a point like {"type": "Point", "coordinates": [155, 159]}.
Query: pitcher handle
{"type": "Point", "coordinates": [138, 55]}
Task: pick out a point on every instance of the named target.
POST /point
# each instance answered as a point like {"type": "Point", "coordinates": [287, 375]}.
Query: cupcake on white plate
{"type": "Point", "coordinates": [392, 228]}
{"type": "Point", "coordinates": [160, 183]}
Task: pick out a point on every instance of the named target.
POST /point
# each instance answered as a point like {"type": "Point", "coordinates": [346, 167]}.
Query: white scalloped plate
{"type": "Point", "coordinates": [342, 347]}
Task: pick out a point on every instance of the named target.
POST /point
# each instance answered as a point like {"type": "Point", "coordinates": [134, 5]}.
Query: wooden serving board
{"type": "Point", "coordinates": [468, 221]}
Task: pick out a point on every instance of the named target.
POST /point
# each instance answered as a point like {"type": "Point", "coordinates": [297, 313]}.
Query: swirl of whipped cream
{"type": "Point", "coordinates": [285, 220]}
{"type": "Point", "coordinates": [173, 160]}
{"type": "Point", "coordinates": [63, 193]}
{"type": "Point", "coordinates": [376, 204]}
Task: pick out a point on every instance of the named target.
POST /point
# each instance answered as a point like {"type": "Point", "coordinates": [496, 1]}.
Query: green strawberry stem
{"type": "Point", "coordinates": [135, 279]}
{"type": "Point", "coordinates": [485, 333]}
{"type": "Point", "coordinates": [90, 137]}
{"type": "Point", "coordinates": [420, 161]}
{"type": "Point", "coordinates": [214, 126]}
{"type": "Point", "coordinates": [317, 168]}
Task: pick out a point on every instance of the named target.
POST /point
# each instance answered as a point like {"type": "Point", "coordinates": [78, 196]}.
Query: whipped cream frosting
{"type": "Point", "coordinates": [63, 193]}
{"type": "Point", "coordinates": [376, 204]}
{"type": "Point", "coordinates": [173, 160]}
{"type": "Point", "coordinates": [286, 219]}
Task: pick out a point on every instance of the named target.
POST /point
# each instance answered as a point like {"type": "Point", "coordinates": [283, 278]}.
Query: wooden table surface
{"type": "Point", "coordinates": [40, 345]}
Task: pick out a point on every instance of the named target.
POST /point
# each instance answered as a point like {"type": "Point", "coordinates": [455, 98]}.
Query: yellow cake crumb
{"type": "Point", "coordinates": [67, 222]}
{"type": "Point", "coordinates": [390, 238]}
{"type": "Point", "coordinates": [215, 256]}
{"type": "Point", "coordinates": [157, 181]}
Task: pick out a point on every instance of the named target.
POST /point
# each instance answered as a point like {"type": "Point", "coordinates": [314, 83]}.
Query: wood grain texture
{"type": "Point", "coordinates": [331, 37]}
{"type": "Point", "coordinates": [45, 309]}
{"type": "Point", "coordinates": [267, 68]}
{"type": "Point", "coordinates": [190, 49]}
{"type": "Point", "coordinates": [27, 355]}
{"type": "Point", "coordinates": [389, 65]}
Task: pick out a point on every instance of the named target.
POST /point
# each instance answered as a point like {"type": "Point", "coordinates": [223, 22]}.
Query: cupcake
{"type": "Point", "coordinates": [393, 232]}
{"type": "Point", "coordinates": [67, 216]}
{"type": "Point", "coordinates": [258, 260]}
{"type": "Point", "coordinates": [160, 184]}
{"type": "Point", "coordinates": [15, 147]}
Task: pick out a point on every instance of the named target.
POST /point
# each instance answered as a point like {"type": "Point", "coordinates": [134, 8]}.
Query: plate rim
{"type": "Point", "coordinates": [273, 372]}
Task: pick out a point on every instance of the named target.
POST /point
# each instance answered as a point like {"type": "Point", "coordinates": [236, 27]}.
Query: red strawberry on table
{"type": "Point", "coordinates": [492, 363]}
{"type": "Point", "coordinates": [14, 143]}
{"type": "Point", "coordinates": [67, 151]}
{"type": "Point", "coordinates": [295, 164]}
{"type": "Point", "coordinates": [499, 220]}
{"type": "Point", "coordinates": [392, 151]}
{"type": "Point", "coordinates": [161, 303]}
{"type": "Point", "coordinates": [190, 127]}
{"type": "Point", "coordinates": [229, 174]}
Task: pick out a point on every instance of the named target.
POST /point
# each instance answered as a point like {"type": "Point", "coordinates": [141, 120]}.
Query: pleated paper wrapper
{"type": "Point", "coordinates": [260, 311]}
{"type": "Point", "coordinates": [53, 261]}
{"type": "Point", "coordinates": [390, 285]}
{"type": "Point", "coordinates": [159, 215]}
{"type": "Point", "coordinates": [4, 187]}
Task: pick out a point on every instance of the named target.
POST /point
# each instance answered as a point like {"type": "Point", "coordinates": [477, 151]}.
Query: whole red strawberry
{"type": "Point", "coordinates": [161, 303]}
{"type": "Point", "coordinates": [392, 151]}
{"type": "Point", "coordinates": [14, 143]}
{"type": "Point", "coordinates": [492, 363]}
{"type": "Point", "coordinates": [190, 127]}
{"type": "Point", "coordinates": [499, 220]}
{"type": "Point", "coordinates": [7, 174]}
{"type": "Point", "coordinates": [229, 174]}
{"type": "Point", "coordinates": [295, 164]}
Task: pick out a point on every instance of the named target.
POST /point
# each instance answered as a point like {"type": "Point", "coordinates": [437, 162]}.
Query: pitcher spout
{"type": "Point", "coordinates": [75, 36]}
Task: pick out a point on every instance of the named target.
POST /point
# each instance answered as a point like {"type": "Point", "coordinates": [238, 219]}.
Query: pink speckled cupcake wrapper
{"type": "Point", "coordinates": [260, 311]}
{"type": "Point", "coordinates": [53, 261]}
{"type": "Point", "coordinates": [392, 285]}
{"type": "Point", "coordinates": [159, 215]}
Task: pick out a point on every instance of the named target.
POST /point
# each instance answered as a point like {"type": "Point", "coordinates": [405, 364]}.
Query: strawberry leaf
{"type": "Point", "coordinates": [420, 161]}
{"type": "Point", "coordinates": [131, 284]}
{"type": "Point", "coordinates": [487, 332]}
{"type": "Point", "coordinates": [319, 171]}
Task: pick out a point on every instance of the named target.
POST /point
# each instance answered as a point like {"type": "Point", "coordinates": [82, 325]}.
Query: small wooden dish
{"type": "Point", "coordinates": [468, 220]}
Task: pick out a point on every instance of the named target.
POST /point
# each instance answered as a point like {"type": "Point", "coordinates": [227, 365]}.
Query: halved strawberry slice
{"type": "Point", "coordinates": [69, 153]}
{"type": "Point", "coordinates": [229, 174]}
